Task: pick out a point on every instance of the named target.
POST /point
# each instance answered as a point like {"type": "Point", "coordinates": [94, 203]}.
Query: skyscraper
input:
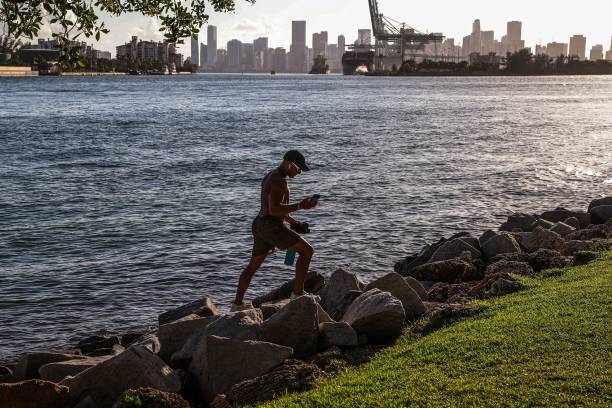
{"type": "Point", "coordinates": [555, 49]}
{"type": "Point", "coordinates": [513, 42]}
{"type": "Point", "coordinates": [298, 49]}
{"type": "Point", "coordinates": [319, 43]}
{"type": "Point", "coordinates": [260, 52]}
{"type": "Point", "coordinates": [203, 55]}
{"type": "Point", "coordinates": [364, 36]}
{"type": "Point", "coordinates": [211, 47]}
{"type": "Point", "coordinates": [597, 53]}
{"type": "Point", "coordinates": [279, 60]}
{"type": "Point", "coordinates": [476, 39]}
{"type": "Point", "coordinates": [487, 42]}
{"type": "Point", "coordinates": [341, 45]}
{"type": "Point", "coordinates": [609, 53]}
{"type": "Point", "coordinates": [234, 55]}
{"type": "Point", "coordinates": [195, 50]}
{"type": "Point", "coordinates": [577, 46]}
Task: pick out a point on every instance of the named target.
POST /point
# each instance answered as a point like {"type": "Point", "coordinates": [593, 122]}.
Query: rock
{"type": "Point", "coordinates": [409, 263]}
{"type": "Point", "coordinates": [325, 359]}
{"type": "Point", "coordinates": [600, 201]}
{"type": "Point", "coordinates": [94, 343]}
{"type": "Point", "coordinates": [337, 334]}
{"type": "Point", "coordinates": [268, 309]}
{"type": "Point", "coordinates": [129, 338]}
{"type": "Point", "coordinates": [400, 289]}
{"type": "Point", "coordinates": [518, 268]}
{"type": "Point", "coordinates": [453, 249]}
{"type": "Point", "coordinates": [56, 372]}
{"type": "Point", "coordinates": [291, 376]}
{"type": "Point", "coordinates": [518, 220]}
{"type": "Point", "coordinates": [313, 284]}
{"type": "Point", "coordinates": [377, 314]}
{"type": "Point", "coordinates": [220, 401]}
{"type": "Point", "coordinates": [587, 234]}
{"type": "Point", "coordinates": [242, 325]}
{"type": "Point", "coordinates": [562, 228]}
{"type": "Point", "coordinates": [30, 363]}
{"type": "Point", "coordinates": [503, 287]}
{"type": "Point", "coordinates": [173, 336]}
{"type": "Point", "coordinates": [417, 287]}
{"type": "Point", "coordinates": [296, 326]}
{"type": "Point", "coordinates": [150, 398]}
{"type": "Point", "coordinates": [219, 363]}
{"type": "Point", "coordinates": [562, 214]}
{"type": "Point", "coordinates": [583, 257]}
{"type": "Point", "coordinates": [322, 315]}
{"type": "Point", "coordinates": [522, 257]}
{"type": "Point", "coordinates": [572, 222]}
{"type": "Point", "coordinates": [542, 238]}
{"type": "Point", "coordinates": [542, 223]}
{"type": "Point", "coordinates": [438, 292]}
{"type": "Point", "coordinates": [482, 288]}
{"type": "Point", "coordinates": [33, 394]}
{"type": "Point", "coordinates": [500, 244]}
{"type": "Point", "coordinates": [135, 367]}
{"type": "Point", "coordinates": [149, 341]}
{"type": "Point", "coordinates": [601, 214]}
{"type": "Point", "coordinates": [458, 293]}
{"type": "Point", "coordinates": [547, 259]}
{"type": "Point", "coordinates": [202, 307]}
{"type": "Point", "coordinates": [446, 271]}
{"type": "Point", "coordinates": [569, 248]}
{"type": "Point", "coordinates": [111, 351]}
{"type": "Point", "coordinates": [339, 284]}
{"type": "Point", "coordinates": [488, 234]}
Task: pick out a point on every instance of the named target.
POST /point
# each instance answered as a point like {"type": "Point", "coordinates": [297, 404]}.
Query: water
{"type": "Point", "coordinates": [123, 197]}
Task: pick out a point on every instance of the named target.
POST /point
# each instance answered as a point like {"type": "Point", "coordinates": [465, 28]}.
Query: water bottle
{"type": "Point", "coordinates": [289, 257]}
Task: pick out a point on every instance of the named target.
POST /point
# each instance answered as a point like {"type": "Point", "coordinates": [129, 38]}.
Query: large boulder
{"type": "Point", "coordinates": [571, 247]}
{"type": "Point", "coordinates": [56, 372]}
{"type": "Point", "coordinates": [542, 223]}
{"type": "Point", "coordinates": [500, 244]}
{"type": "Point", "coordinates": [446, 271]}
{"type": "Point", "coordinates": [313, 283]}
{"type": "Point", "coordinates": [503, 287]}
{"type": "Point", "coordinates": [454, 249]}
{"type": "Point", "coordinates": [269, 308]}
{"type": "Point", "coordinates": [337, 334]}
{"type": "Point", "coordinates": [291, 376]}
{"type": "Point", "coordinates": [562, 228]}
{"type": "Point", "coordinates": [417, 287]}
{"type": "Point", "coordinates": [28, 364]}
{"type": "Point", "coordinates": [339, 284]}
{"type": "Point", "coordinates": [377, 314]}
{"type": "Point", "coordinates": [219, 363]}
{"type": "Point", "coordinates": [561, 214]}
{"type": "Point", "coordinates": [543, 238]}
{"type": "Point", "coordinates": [33, 394]}
{"type": "Point", "coordinates": [173, 336]}
{"type": "Point", "coordinates": [600, 201]}
{"type": "Point", "coordinates": [573, 222]}
{"type": "Point", "coordinates": [242, 325]}
{"type": "Point", "coordinates": [135, 367]}
{"type": "Point", "coordinates": [488, 234]}
{"type": "Point", "coordinates": [296, 326]}
{"type": "Point", "coordinates": [588, 234]}
{"type": "Point", "coordinates": [518, 221]}
{"type": "Point", "coordinates": [410, 262]}
{"type": "Point", "coordinates": [399, 288]}
{"type": "Point", "coordinates": [547, 259]}
{"type": "Point", "coordinates": [202, 307]}
{"type": "Point", "coordinates": [149, 341]}
{"type": "Point", "coordinates": [601, 214]}
{"type": "Point", "coordinates": [95, 345]}
{"type": "Point", "coordinates": [147, 397]}
{"type": "Point", "coordinates": [518, 268]}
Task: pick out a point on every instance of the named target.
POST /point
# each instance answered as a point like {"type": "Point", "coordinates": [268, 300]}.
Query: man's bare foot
{"type": "Point", "coordinates": [241, 306]}
{"type": "Point", "coordinates": [316, 298]}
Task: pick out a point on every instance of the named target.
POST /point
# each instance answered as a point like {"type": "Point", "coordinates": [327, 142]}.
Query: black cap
{"type": "Point", "coordinates": [297, 158]}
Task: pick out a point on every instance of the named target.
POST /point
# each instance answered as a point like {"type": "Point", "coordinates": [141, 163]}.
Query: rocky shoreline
{"type": "Point", "coordinates": [198, 356]}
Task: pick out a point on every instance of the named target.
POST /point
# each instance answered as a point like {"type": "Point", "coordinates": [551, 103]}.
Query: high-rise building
{"type": "Point", "coordinates": [341, 45]}
{"type": "Point", "coordinates": [596, 53]}
{"type": "Point", "coordinates": [234, 55]}
{"type": "Point", "coordinates": [476, 39]}
{"type": "Point", "coordinates": [364, 36]}
{"type": "Point", "coordinates": [609, 52]}
{"type": "Point", "coordinates": [512, 41]}
{"type": "Point", "coordinates": [279, 60]}
{"type": "Point", "coordinates": [577, 46]}
{"type": "Point", "coordinates": [260, 54]}
{"type": "Point", "coordinates": [319, 43]}
{"type": "Point", "coordinates": [221, 60]}
{"type": "Point", "coordinates": [299, 53]}
{"type": "Point", "coordinates": [248, 57]}
{"type": "Point", "coordinates": [487, 42]}
{"type": "Point", "coordinates": [466, 47]}
{"type": "Point", "coordinates": [203, 55]}
{"type": "Point", "coordinates": [195, 50]}
{"type": "Point", "coordinates": [555, 49]}
{"type": "Point", "coordinates": [211, 41]}
{"type": "Point", "coordinates": [540, 50]}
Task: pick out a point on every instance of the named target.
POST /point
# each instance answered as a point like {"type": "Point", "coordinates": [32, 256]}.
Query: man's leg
{"type": "Point", "coordinates": [247, 275]}
{"type": "Point", "coordinates": [301, 267]}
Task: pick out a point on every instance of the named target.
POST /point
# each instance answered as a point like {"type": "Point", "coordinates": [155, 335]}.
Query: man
{"type": "Point", "coordinates": [269, 228]}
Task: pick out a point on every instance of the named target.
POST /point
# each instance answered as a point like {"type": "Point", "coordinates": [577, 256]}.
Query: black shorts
{"type": "Point", "coordinates": [270, 233]}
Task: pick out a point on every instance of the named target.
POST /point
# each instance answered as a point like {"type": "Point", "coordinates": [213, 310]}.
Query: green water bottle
{"type": "Point", "coordinates": [289, 257]}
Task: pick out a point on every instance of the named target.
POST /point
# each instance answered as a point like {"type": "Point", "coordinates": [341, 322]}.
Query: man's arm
{"type": "Point", "coordinates": [291, 220]}
{"type": "Point", "coordinates": [276, 207]}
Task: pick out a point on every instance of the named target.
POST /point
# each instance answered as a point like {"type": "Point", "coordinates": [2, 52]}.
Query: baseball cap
{"type": "Point", "coordinates": [297, 158]}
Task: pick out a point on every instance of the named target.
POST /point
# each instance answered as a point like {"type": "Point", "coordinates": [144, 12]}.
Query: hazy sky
{"type": "Point", "coordinates": [543, 20]}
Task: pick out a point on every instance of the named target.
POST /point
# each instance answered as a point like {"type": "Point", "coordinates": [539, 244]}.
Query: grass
{"type": "Point", "coordinates": [548, 345]}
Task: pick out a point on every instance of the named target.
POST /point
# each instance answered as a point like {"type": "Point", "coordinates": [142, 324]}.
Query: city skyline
{"type": "Point", "coordinates": [543, 22]}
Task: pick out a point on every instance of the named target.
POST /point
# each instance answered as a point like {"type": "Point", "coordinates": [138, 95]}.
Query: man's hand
{"type": "Point", "coordinates": [308, 203]}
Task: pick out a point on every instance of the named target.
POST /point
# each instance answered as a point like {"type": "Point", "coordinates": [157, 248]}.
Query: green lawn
{"type": "Point", "coordinates": [548, 345]}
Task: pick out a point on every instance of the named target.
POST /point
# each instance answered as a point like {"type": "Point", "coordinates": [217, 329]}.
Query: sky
{"type": "Point", "coordinates": [543, 20]}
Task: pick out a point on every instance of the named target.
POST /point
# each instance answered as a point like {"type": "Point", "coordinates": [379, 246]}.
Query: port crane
{"type": "Point", "coordinates": [395, 40]}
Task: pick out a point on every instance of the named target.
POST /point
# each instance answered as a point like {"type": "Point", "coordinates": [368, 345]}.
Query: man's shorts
{"type": "Point", "coordinates": [271, 232]}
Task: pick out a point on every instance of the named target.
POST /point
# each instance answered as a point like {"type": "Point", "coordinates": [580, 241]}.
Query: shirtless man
{"type": "Point", "coordinates": [269, 228]}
